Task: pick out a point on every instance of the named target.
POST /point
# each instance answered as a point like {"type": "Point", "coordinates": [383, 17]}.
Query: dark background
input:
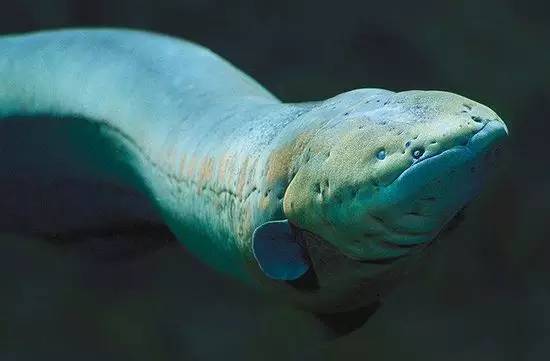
{"type": "Point", "coordinates": [484, 294]}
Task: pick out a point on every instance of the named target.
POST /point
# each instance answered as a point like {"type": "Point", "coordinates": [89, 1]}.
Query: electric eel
{"type": "Point", "coordinates": [324, 204]}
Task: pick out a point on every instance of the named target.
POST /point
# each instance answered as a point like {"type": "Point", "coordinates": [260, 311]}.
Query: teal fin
{"type": "Point", "coordinates": [278, 253]}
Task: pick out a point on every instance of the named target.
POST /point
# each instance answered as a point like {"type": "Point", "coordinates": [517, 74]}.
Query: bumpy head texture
{"type": "Point", "coordinates": [374, 176]}
{"type": "Point", "coordinates": [389, 171]}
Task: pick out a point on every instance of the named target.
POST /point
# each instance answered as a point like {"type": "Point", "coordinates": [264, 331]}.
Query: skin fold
{"type": "Point", "coordinates": [364, 181]}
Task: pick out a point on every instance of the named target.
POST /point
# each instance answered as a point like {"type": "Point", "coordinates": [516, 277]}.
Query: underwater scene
{"type": "Point", "coordinates": [274, 180]}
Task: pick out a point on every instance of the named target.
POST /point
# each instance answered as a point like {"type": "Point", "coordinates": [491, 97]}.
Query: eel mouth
{"type": "Point", "coordinates": [481, 142]}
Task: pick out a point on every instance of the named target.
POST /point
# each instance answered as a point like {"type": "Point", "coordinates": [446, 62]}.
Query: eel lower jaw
{"type": "Point", "coordinates": [450, 226]}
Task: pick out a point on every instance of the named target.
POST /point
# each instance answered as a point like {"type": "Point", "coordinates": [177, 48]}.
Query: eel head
{"type": "Point", "coordinates": [378, 178]}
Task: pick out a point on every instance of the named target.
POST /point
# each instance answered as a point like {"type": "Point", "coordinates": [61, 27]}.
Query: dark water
{"type": "Point", "coordinates": [484, 295]}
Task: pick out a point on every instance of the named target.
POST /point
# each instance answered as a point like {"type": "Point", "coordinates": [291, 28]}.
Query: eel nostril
{"type": "Point", "coordinates": [417, 152]}
{"type": "Point", "coordinates": [477, 119]}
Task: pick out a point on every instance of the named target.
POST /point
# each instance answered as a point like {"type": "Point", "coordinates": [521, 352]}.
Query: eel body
{"type": "Point", "coordinates": [325, 203]}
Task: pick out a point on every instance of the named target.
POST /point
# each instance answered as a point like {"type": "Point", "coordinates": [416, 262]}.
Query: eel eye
{"type": "Point", "coordinates": [417, 153]}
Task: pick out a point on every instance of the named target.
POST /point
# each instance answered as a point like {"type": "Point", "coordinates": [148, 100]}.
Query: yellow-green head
{"type": "Point", "coordinates": [389, 172]}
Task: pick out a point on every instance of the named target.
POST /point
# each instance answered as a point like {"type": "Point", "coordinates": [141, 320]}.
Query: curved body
{"type": "Point", "coordinates": [218, 155]}
{"type": "Point", "coordinates": [192, 131]}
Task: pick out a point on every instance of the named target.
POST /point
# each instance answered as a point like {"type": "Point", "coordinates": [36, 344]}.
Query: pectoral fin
{"type": "Point", "coordinates": [278, 253]}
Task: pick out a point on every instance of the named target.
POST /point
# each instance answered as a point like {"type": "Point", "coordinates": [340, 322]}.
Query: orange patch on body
{"type": "Point", "coordinates": [223, 169]}
{"type": "Point", "coordinates": [205, 171]}
{"type": "Point", "coordinates": [191, 166]}
{"type": "Point", "coordinates": [243, 176]}
{"type": "Point", "coordinates": [182, 165]}
{"type": "Point", "coordinates": [280, 161]}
